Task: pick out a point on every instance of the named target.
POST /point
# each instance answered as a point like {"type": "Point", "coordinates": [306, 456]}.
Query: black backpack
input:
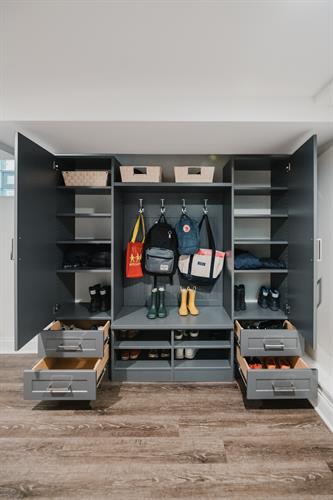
{"type": "Point", "coordinates": [160, 249]}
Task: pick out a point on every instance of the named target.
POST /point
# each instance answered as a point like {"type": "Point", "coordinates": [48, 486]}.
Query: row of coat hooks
{"type": "Point", "coordinates": [204, 208]}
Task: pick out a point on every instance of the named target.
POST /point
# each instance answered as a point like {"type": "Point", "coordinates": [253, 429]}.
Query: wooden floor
{"type": "Point", "coordinates": [149, 441]}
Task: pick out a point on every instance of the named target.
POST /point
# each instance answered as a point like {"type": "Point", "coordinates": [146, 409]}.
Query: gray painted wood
{"type": "Point", "coordinates": [270, 343]}
{"type": "Point", "coordinates": [302, 182]}
{"type": "Point", "coordinates": [71, 344]}
{"type": "Point", "coordinates": [35, 235]}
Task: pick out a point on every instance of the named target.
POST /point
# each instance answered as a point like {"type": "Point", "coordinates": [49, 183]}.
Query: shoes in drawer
{"type": "Point", "coordinates": [298, 382]}
{"type": "Point", "coordinates": [81, 339]}
{"type": "Point", "coordinates": [284, 341]}
{"type": "Point", "coordinates": [63, 379]}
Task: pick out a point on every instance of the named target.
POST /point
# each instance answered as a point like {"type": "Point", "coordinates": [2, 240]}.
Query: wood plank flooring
{"type": "Point", "coordinates": [147, 441]}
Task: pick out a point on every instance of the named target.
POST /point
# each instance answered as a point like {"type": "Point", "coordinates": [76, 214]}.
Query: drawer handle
{"type": "Point", "coordinates": [284, 389]}
{"type": "Point", "coordinates": [59, 390]}
{"type": "Point", "coordinates": [69, 348]}
{"type": "Point", "coordinates": [274, 347]}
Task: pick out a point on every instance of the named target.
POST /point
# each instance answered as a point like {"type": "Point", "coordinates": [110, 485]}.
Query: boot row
{"type": "Point", "coordinates": [100, 298]}
{"type": "Point", "coordinates": [157, 308]}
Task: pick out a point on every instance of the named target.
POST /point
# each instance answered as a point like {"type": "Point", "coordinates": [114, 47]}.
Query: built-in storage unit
{"type": "Point", "coordinates": [262, 204]}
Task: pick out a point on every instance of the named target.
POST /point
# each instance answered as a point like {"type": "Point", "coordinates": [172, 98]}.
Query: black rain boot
{"type": "Point", "coordinates": [94, 292]}
{"type": "Point", "coordinates": [263, 297]}
{"type": "Point", "coordinates": [161, 312]}
{"type": "Point", "coordinates": [236, 298]}
{"type": "Point", "coordinates": [152, 311]}
{"type": "Point", "coordinates": [242, 297]}
{"type": "Point", "coordinates": [105, 298]}
{"type": "Point", "coordinates": [274, 299]}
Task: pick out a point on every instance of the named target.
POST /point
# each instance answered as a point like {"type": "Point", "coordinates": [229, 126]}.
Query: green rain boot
{"type": "Point", "coordinates": [161, 312]}
{"type": "Point", "coordinates": [152, 311]}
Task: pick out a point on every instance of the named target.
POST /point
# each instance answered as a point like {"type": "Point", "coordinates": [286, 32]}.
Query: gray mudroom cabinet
{"type": "Point", "coordinates": [265, 204]}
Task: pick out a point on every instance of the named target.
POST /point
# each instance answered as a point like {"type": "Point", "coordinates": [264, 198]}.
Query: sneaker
{"type": "Point", "coordinates": [194, 334]}
{"type": "Point", "coordinates": [134, 355]}
{"type": "Point", "coordinates": [179, 334]}
{"type": "Point", "coordinates": [263, 297]}
{"type": "Point", "coordinates": [270, 364]}
{"type": "Point", "coordinates": [165, 354]}
{"type": "Point", "coordinates": [153, 354]}
{"type": "Point", "coordinates": [190, 353]}
{"type": "Point", "coordinates": [125, 355]}
{"type": "Point", "coordinates": [180, 353]}
{"type": "Point", "coordinates": [274, 299]}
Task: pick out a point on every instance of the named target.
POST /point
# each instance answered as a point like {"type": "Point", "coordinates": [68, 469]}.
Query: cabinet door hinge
{"type": "Point", "coordinates": [287, 309]}
{"type": "Point", "coordinates": [56, 308]}
{"type": "Point", "coordinates": [288, 168]}
{"type": "Point", "coordinates": [55, 166]}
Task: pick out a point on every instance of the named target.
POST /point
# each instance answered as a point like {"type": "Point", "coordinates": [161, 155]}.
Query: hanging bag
{"type": "Point", "coordinates": [188, 235]}
{"type": "Point", "coordinates": [204, 267]}
{"type": "Point", "coordinates": [134, 251]}
{"type": "Point", "coordinates": [160, 252]}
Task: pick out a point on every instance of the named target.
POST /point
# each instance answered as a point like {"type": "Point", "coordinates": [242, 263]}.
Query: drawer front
{"type": "Point", "coordinates": [71, 344]}
{"type": "Point", "coordinates": [60, 385]}
{"type": "Point", "coordinates": [203, 375]}
{"type": "Point", "coordinates": [270, 343]}
{"type": "Point", "coordinates": [142, 375]}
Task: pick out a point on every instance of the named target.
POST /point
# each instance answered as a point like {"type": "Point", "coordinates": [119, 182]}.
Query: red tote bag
{"type": "Point", "coordinates": [134, 251]}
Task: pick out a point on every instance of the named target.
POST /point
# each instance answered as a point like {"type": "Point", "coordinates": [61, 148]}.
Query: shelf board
{"type": "Point", "coordinates": [255, 312]}
{"type": "Point", "coordinates": [261, 216]}
{"type": "Point", "coordinates": [261, 271]}
{"type": "Point", "coordinates": [142, 344]}
{"type": "Point", "coordinates": [249, 241]}
{"type": "Point", "coordinates": [85, 270]}
{"type": "Point", "coordinates": [87, 189]}
{"type": "Point", "coordinates": [257, 189]}
{"type": "Point", "coordinates": [78, 311]}
{"type": "Point", "coordinates": [213, 318]}
{"type": "Point", "coordinates": [139, 187]}
{"type": "Point", "coordinates": [203, 344]}
{"type": "Point", "coordinates": [85, 215]}
{"type": "Point", "coordinates": [202, 364]}
{"type": "Point", "coordinates": [142, 364]}
{"type": "Point", "coordinates": [84, 241]}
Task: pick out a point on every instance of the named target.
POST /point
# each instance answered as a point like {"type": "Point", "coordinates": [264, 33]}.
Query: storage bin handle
{"type": "Point", "coordinates": [69, 348]}
{"type": "Point", "coordinates": [274, 347]}
{"type": "Point", "coordinates": [283, 389]}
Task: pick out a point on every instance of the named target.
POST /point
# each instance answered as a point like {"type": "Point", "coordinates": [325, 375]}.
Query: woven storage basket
{"type": "Point", "coordinates": [141, 174]}
{"type": "Point", "coordinates": [96, 178]}
{"type": "Point", "coordinates": [194, 174]}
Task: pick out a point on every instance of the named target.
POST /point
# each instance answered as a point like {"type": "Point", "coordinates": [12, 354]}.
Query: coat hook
{"type": "Point", "coordinates": [162, 206]}
{"type": "Point", "coordinates": [184, 207]}
{"type": "Point", "coordinates": [141, 209]}
{"type": "Point", "coordinates": [205, 209]}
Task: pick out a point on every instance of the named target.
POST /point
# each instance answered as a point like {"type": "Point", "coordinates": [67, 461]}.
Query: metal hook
{"type": "Point", "coordinates": [205, 209]}
{"type": "Point", "coordinates": [162, 206]}
{"type": "Point", "coordinates": [184, 207]}
{"type": "Point", "coordinates": [141, 209]}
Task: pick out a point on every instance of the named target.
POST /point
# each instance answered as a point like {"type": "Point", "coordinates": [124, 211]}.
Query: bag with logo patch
{"type": "Point", "coordinates": [134, 251]}
{"type": "Point", "coordinates": [205, 266]}
{"type": "Point", "coordinates": [160, 250]}
{"type": "Point", "coordinates": [188, 235]}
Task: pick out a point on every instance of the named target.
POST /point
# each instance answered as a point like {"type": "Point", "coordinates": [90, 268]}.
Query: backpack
{"type": "Point", "coordinates": [160, 250]}
{"type": "Point", "coordinates": [187, 231]}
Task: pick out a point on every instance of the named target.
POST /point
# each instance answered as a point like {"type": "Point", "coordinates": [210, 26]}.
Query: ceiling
{"type": "Point", "coordinates": [142, 75]}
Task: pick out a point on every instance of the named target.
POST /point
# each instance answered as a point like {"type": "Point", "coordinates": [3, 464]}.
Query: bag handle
{"type": "Point", "coordinates": [211, 245]}
{"type": "Point", "coordinates": [139, 220]}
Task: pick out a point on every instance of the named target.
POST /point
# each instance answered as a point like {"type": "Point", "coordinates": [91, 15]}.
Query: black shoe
{"type": "Point", "coordinates": [236, 298]}
{"type": "Point", "coordinates": [274, 299]}
{"type": "Point", "coordinates": [263, 297]}
{"type": "Point", "coordinates": [242, 297]}
{"type": "Point", "coordinates": [95, 299]}
{"type": "Point", "coordinates": [105, 304]}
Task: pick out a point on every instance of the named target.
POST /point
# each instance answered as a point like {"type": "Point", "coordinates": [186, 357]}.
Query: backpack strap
{"type": "Point", "coordinates": [211, 245]}
{"type": "Point", "coordinates": [139, 220]}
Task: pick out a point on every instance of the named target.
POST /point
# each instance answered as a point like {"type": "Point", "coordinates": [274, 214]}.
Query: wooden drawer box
{"type": "Point", "coordinates": [57, 379]}
{"type": "Point", "coordinates": [298, 382]}
{"type": "Point", "coordinates": [54, 342]}
{"type": "Point", "coordinates": [275, 342]}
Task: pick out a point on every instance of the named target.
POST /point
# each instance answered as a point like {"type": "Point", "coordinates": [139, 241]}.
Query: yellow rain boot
{"type": "Point", "coordinates": [191, 301]}
{"type": "Point", "coordinates": [182, 311]}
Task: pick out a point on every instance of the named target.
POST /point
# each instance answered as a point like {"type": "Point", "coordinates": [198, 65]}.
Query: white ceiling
{"type": "Point", "coordinates": [164, 74]}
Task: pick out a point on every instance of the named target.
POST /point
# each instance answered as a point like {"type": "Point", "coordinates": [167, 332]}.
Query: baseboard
{"type": "Point", "coordinates": [324, 408]}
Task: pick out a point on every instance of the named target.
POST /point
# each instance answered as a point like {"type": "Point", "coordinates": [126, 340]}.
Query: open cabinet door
{"type": "Point", "coordinates": [35, 239]}
{"type": "Point", "coordinates": [302, 201]}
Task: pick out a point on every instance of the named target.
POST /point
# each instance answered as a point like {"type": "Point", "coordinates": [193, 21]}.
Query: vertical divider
{"type": "Point", "coordinates": [172, 355]}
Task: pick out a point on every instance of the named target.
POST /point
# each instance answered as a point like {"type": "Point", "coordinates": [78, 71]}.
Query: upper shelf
{"type": "Point", "coordinates": [157, 187]}
{"type": "Point", "coordinates": [261, 216]}
{"type": "Point", "coordinates": [84, 215]}
{"type": "Point", "coordinates": [87, 189]}
{"type": "Point", "coordinates": [84, 241]}
{"type": "Point", "coordinates": [255, 312]}
{"type": "Point", "coordinates": [257, 189]}
{"type": "Point", "coordinates": [253, 241]}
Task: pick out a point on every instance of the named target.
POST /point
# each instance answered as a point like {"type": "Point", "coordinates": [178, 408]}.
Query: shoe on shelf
{"type": "Point", "coordinates": [105, 298]}
{"type": "Point", "coordinates": [284, 363]}
{"type": "Point", "coordinates": [161, 311]}
{"type": "Point", "coordinates": [255, 364]}
{"type": "Point", "coordinates": [236, 298]}
{"type": "Point", "coordinates": [183, 311]}
{"type": "Point", "coordinates": [190, 353]}
{"type": "Point", "coordinates": [193, 310]}
{"type": "Point", "coordinates": [263, 297]}
{"type": "Point", "coordinates": [153, 354]}
{"type": "Point", "coordinates": [131, 334]}
{"type": "Point", "coordinates": [122, 334]}
{"type": "Point", "coordinates": [179, 334]}
{"type": "Point", "coordinates": [125, 355]}
{"type": "Point", "coordinates": [274, 299]}
{"type": "Point", "coordinates": [165, 354]}
{"type": "Point", "coordinates": [194, 334]}
{"type": "Point", "coordinates": [270, 364]}
{"type": "Point", "coordinates": [242, 303]}
{"type": "Point", "coordinates": [152, 311]}
{"type": "Point", "coordinates": [94, 292]}
{"type": "Point", "coordinates": [134, 355]}
{"type": "Point", "coordinates": [180, 353]}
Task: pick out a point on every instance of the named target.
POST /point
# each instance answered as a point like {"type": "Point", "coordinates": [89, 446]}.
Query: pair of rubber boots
{"type": "Point", "coordinates": [99, 298]}
{"type": "Point", "coordinates": [187, 302]}
{"type": "Point", "coordinates": [157, 307]}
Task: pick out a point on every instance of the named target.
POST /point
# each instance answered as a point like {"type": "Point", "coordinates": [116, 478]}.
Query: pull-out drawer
{"type": "Point", "coordinates": [275, 342]}
{"type": "Point", "coordinates": [61, 379]}
{"type": "Point", "coordinates": [298, 382]}
{"type": "Point", "coordinates": [54, 342]}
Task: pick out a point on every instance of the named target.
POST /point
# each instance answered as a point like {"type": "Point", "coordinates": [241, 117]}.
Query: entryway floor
{"type": "Point", "coordinates": [159, 441]}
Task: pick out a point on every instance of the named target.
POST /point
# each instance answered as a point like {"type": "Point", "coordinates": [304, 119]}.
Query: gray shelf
{"type": "Point", "coordinates": [203, 344]}
{"type": "Point", "coordinates": [78, 311]}
{"type": "Point", "coordinates": [259, 242]}
{"type": "Point", "coordinates": [261, 271]}
{"type": "Point", "coordinates": [143, 364]}
{"type": "Point", "coordinates": [261, 216]}
{"type": "Point", "coordinates": [142, 344]}
{"type": "Point", "coordinates": [85, 270]}
{"type": "Point", "coordinates": [84, 215]}
{"type": "Point", "coordinates": [87, 189]}
{"type": "Point", "coordinates": [84, 241]}
{"type": "Point", "coordinates": [175, 187]}
{"type": "Point", "coordinates": [202, 364]}
{"type": "Point", "coordinates": [255, 312]}
{"type": "Point", "coordinates": [254, 189]}
{"type": "Point", "coordinates": [210, 318]}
